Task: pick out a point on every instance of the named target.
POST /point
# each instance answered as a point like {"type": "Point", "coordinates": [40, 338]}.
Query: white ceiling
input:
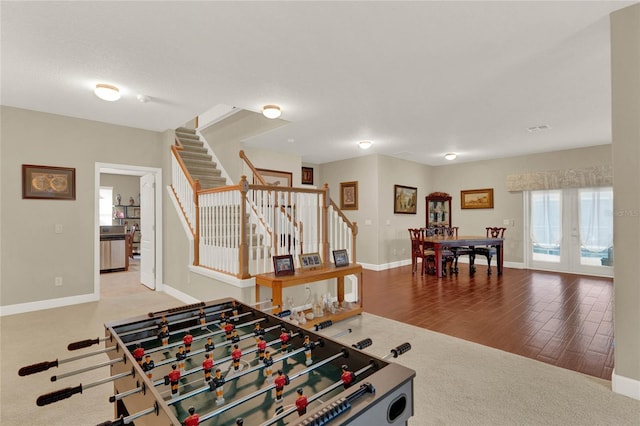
{"type": "Point", "coordinates": [418, 78]}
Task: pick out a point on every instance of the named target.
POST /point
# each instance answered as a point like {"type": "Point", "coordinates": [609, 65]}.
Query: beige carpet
{"type": "Point", "coordinates": [457, 383]}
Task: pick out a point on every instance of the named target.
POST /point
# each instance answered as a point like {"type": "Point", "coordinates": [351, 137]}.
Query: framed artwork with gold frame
{"type": "Point", "coordinates": [349, 195]}
{"type": "Point", "coordinates": [48, 182]}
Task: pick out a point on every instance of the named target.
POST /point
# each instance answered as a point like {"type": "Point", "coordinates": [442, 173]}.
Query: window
{"type": "Point", "coordinates": [106, 205]}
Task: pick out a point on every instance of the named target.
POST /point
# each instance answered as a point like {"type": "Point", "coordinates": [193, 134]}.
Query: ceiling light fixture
{"type": "Point", "coordinates": [107, 92]}
{"type": "Point", "coordinates": [271, 111]}
{"type": "Point", "coordinates": [450, 156]}
{"type": "Point", "coordinates": [365, 144]}
{"type": "Point", "coordinates": [143, 98]}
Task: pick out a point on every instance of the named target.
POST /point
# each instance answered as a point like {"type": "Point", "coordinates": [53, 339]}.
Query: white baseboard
{"type": "Point", "coordinates": [22, 308]}
{"type": "Point", "coordinates": [183, 297]}
{"type": "Point", "coordinates": [625, 386]}
{"type": "Point", "coordinates": [396, 264]}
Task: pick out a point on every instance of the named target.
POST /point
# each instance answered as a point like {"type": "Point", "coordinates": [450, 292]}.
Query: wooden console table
{"type": "Point", "coordinates": [306, 276]}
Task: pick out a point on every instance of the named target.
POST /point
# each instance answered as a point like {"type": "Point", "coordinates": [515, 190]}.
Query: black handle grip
{"type": "Point", "coordinates": [58, 395]}
{"type": "Point", "coordinates": [405, 347]}
{"type": "Point", "coordinates": [36, 368]}
{"type": "Point", "coordinates": [284, 314]}
{"type": "Point", "coordinates": [363, 343]}
{"type": "Point", "coordinates": [82, 344]}
{"type": "Point", "coordinates": [324, 324]}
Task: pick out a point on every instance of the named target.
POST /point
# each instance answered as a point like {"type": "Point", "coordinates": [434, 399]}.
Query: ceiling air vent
{"type": "Point", "coordinates": [539, 128]}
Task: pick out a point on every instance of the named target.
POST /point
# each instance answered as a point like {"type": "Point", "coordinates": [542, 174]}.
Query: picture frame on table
{"type": "Point", "coordinates": [283, 265]}
{"type": "Point", "coordinates": [349, 195]}
{"type": "Point", "coordinates": [405, 199]}
{"type": "Point", "coordinates": [476, 198]}
{"type": "Point", "coordinates": [340, 258]}
{"type": "Point", "coordinates": [48, 182]}
{"type": "Point", "coordinates": [310, 260]}
{"type": "Point", "coordinates": [307, 176]}
{"type": "Point", "coordinates": [275, 178]}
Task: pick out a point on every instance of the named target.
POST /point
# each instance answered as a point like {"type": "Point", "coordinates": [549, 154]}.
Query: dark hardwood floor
{"type": "Point", "coordinates": [561, 319]}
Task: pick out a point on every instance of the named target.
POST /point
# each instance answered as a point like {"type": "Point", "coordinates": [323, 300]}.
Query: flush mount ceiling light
{"type": "Point", "coordinates": [107, 92]}
{"type": "Point", "coordinates": [365, 144]}
{"type": "Point", "coordinates": [450, 156]}
{"type": "Point", "coordinates": [271, 111]}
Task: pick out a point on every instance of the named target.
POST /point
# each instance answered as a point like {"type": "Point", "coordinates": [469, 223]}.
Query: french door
{"type": "Point", "coordinates": [570, 230]}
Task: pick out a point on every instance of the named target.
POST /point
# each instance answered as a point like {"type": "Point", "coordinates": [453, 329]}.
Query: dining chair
{"type": "Point", "coordinates": [418, 251]}
{"type": "Point", "coordinates": [490, 251]}
{"type": "Point", "coordinates": [448, 256]}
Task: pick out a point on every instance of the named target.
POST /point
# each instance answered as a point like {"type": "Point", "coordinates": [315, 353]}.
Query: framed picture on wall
{"type": "Point", "coordinates": [48, 182]}
{"type": "Point", "coordinates": [275, 178]}
{"type": "Point", "coordinates": [476, 198]}
{"type": "Point", "coordinates": [349, 195]}
{"type": "Point", "coordinates": [307, 175]}
{"type": "Point", "coordinates": [405, 199]}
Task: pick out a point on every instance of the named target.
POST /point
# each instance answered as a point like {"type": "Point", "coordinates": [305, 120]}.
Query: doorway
{"type": "Point", "coordinates": [149, 199]}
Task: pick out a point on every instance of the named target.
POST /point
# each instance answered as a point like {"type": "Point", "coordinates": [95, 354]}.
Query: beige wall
{"type": "Point", "coordinates": [625, 60]}
{"type": "Point", "coordinates": [32, 253]}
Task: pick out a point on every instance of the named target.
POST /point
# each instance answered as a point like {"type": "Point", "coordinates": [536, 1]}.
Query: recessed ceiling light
{"type": "Point", "coordinates": [271, 111]}
{"type": "Point", "coordinates": [107, 92]}
{"type": "Point", "coordinates": [450, 156]}
{"type": "Point", "coordinates": [365, 144]}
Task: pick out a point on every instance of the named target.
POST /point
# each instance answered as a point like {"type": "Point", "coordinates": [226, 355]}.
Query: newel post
{"type": "Point", "coordinates": [324, 239]}
{"type": "Point", "coordinates": [196, 236]}
{"type": "Point", "coordinates": [354, 233]}
{"type": "Point", "coordinates": [243, 253]}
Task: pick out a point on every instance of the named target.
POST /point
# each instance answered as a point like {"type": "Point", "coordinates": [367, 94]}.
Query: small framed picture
{"type": "Point", "coordinates": [283, 265]}
{"type": "Point", "coordinates": [307, 175]}
{"type": "Point", "coordinates": [349, 195]}
{"type": "Point", "coordinates": [310, 260]}
{"type": "Point", "coordinates": [340, 257]}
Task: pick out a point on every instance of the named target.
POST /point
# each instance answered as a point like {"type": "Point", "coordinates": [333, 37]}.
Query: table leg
{"type": "Point", "coordinates": [276, 295]}
{"type": "Point", "coordinates": [340, 289]}
{"type": "Point", "coordinates": [500, 259]}
{"type": "Point", "coordinates": [438, 256]}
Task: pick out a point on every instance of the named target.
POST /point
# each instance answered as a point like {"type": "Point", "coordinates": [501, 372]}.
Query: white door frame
{"type": "Point", "coordinates": [127, 169]}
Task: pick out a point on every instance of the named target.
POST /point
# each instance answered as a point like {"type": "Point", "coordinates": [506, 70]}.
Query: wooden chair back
{"type": "Point", "coordinates": [495, 232]}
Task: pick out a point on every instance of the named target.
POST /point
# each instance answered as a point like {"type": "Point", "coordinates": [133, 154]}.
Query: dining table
{"type": "Point", "coordinates": [438, 243]}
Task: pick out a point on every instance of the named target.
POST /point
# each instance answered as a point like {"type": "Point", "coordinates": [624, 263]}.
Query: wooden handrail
{"type": "Point", "coordinates": [174, 150]}
{"type": "Point", "coordinates": [256, 173]}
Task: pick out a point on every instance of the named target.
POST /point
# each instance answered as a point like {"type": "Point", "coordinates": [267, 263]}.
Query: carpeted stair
{"type": "Point", "coordinates": [197, 160]}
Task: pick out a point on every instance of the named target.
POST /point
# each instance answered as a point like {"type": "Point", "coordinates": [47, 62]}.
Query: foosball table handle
{"type": "Point", "coordinates": [58, 395]}
{"type": "Point", "coordinates": [36, 368]}
{"type": "Point", "coordinates": [363, 343]}
{"type": "Point", "coordinates": [399, 350]}
{"type": "Point", "coordinates": [323, 324]}
{"type": "Point", "coordinates": [82, 344]}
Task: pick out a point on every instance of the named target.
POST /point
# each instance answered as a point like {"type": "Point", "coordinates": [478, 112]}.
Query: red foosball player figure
{"type": "Point", "coordinates": [307, 350]}
{"type": "Point", "coordinates": [258, 331]}
{"type": "Point", "coordinates": [284, 339]}
{"type": "Point", "coordinates": [268, 366]}
{"type": "Point", "coordinates": [163, 335]}
{"type": "Point", "coordinates": [193, 419]}
{"type": "Point", "coordinates": [301, 402]}
{"type": "Point", "coordinates": [228, 328]}
{"type": "Point", "coordinates": [217, 383]}
{"type": "Point", "coordinates": [148, 365]}
{"type": "Point", "coordinates": [236, 354]}
{"type": "Point", "coordinates": [203, 319]}
{"type": "Point", "coordinates": [173, 378]}
{"type": "Point", "coordinates": [180, 357]}
{"type": "Point", "coordinates": [188, 340]}
{"type": "Point", "coordinates": [207, 366]}
{"type": "Point", "coordinates": [209, 346]}
{"type": "Point", "coordinates": [280, 381]}
{"type": "Point", "coordinates": [138, 354]}
{"type": "Point", "coordinates": [348, 377]}
{"type": "Point", "coordinates": [262, 347]}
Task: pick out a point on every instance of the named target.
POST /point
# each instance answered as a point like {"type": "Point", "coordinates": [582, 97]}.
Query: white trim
{"type": "Point", "coordinates": [224, 278]}
{"type": "Point", "coordinates": [625, 386]}
{"type": "Point", "coordinates": [183, 297]}
{"type": "Point", "coordinates": [40, 305]}
{"type": "Point", "coordinates": [131, 170]}
{"type": "Point", "coordinates": [183, 221]}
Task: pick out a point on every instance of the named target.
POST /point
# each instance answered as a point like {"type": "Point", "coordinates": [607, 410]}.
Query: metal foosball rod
{"type": "Point", "coordinates": [93, 367]}
{"type": "Point", "coordinates": [117, 397]}
{"type": "Point", "coordinates": [59, 395]}
{"type": "Point", "coordinates": [179, 309]}
{"type": "Point", "coordinates": [74, 346]}
{"type": "Point", "coordinates": [45, 365]}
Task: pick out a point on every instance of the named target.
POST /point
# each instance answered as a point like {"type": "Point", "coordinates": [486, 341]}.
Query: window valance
{"type": "Point", "coordinates": [556, 179]}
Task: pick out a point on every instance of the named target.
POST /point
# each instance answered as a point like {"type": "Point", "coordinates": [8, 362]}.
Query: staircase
{"type": "Point", "coordinates": [197, 160]}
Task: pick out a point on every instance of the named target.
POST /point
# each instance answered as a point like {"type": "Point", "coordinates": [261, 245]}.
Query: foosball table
{"type": "Point", "coordinates": [228, 363]}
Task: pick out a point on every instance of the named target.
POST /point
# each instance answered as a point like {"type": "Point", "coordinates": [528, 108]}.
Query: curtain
{"type": "Point", "coordinates": [546, 218]}
{"type": "Point", "coordinates": [596, 223]}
